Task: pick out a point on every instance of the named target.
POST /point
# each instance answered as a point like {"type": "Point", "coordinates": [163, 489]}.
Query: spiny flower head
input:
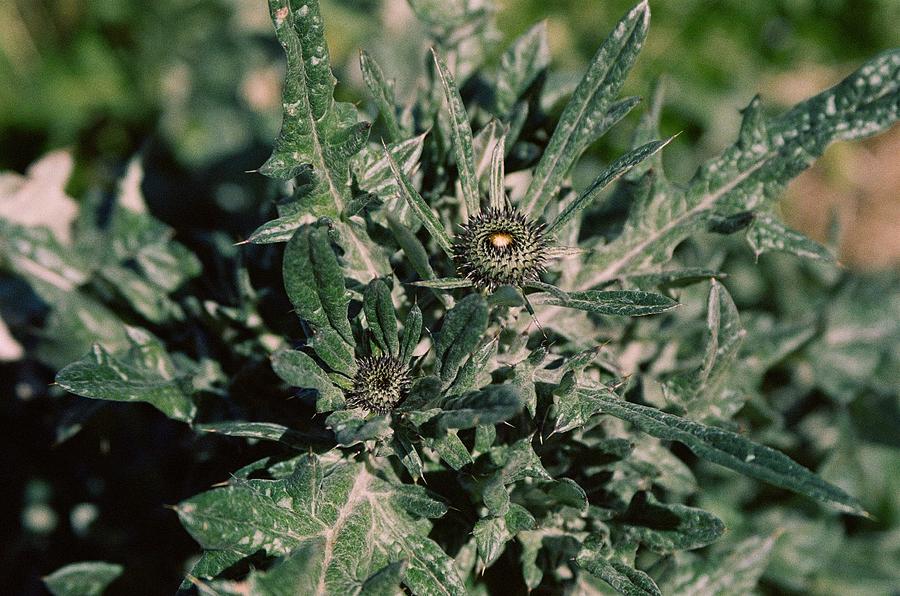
{"type": "Point", "coordinates": [500, 247]}
{"type": "Point", "coordinates": [380, 383]}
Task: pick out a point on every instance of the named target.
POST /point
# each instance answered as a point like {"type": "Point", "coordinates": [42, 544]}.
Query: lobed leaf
{"type": "Point", "coordinates": [728, 449]}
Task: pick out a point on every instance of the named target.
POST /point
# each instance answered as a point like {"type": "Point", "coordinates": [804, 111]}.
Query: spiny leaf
{"type": "Point", "coordinates": [750, 174]}
{"type": "Point", "coordinates": [412, 333]}
{"type": "Point", "coordinates": [626, 580]}
{"type": "Point", "coordinates": [628, 303]}
{"type": "Point", "coordinates": [461, 133]}
{"type": "Point", "coordinates": [373, 174]}
{"type": "Point", "coordinates": [382, 92]}
{"type": "Point", "coordinates": [767, 234]}
{"type": "Point", "coordinates": [89, 578]}
{"type": "Point", "coordinates": [315, 130]}
{"type": "Point", "coordinates": [361, 521]}
{"type": "Point", "coordinates": [611, 173]}
{"type": "Point", "coordinates": [590, 102]}
{"type": "Point", "coordinates": [267, 431]}
{"type": "Point", "coordinates": [145, 373]}
{"type": "Point", "coordinates": [730, 450]}
{"type": "Point", "coordinates": [381, 318]}
{"type": "Point", "coordinates": [421, 208]}
{"type": "Point", "coordinates": [314, 282]}
{"type": "Point", "coordinates": [666, 528]}
{"type": "Point", "coordinates": [704, 392]}
{"type": "Point", "coordinates": [491, 405]}
{"type": "Point", "coordinates": [463, 327]}
{"type": "Point", "coordinates": [521, 63]}
{"type": "Point", "coordinates": [300, 370]}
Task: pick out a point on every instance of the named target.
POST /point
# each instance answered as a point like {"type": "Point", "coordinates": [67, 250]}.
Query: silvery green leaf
{"type": "Point", "coordinates": [491, 536]}
{"type": "Point", "coordinates": [297, 573]}
{"type": "Point", "coordinates": [750, 174]}
{"type": "Point", "coordinates": [420, 207]}
{"type": "Point", "coordinates": [491, 405]}
{"type": "Point", "coordinates": [671, 278]}
{"type": "Point", "coordinates": [444, 283]}
{"type": "Point", "coordinates": [728, 449]}
{"type": "Point", "coordinates": [299, 370]}
{"type": "Point", "coordinates": [626, 303]}
{"type": "Point", "coordinates": [589, 104]}
{"type": "Point", "coordinates": [626, 580]}
{"type": "Point", "coordinates": [767, 234]}
{"type": "Point", "coordinates": [734, 571]}
{"type": "Point", "coordinates": [461, 331]}
{"type": "Point", "coordinates": [360, 519]}
{"type": "Point", "coordinates": [373, 174]}
{"type": "Point", "coordinates": [314, 282]}
{"type": "Point", "coordinates": [474, 365]}
{"type": "Point", "coordinates": [382, 91]}
{"type": "Point", "coordinates": [315, 131]}
{"type": "Point", "coordinates": [451, 449]}
{"type": "Point", "coordinates": [521, 63]}
{"type": "Point", "coordinates": [145, 373]}
{"type": "Point", "coordinates": [356, 426]}
{"type": "Point", "coordinates": [362, 259]}
{"type": "Point", "coordinates": [411, 334]}
{"type": "Point", "coordinates": [461, 133]}
{"type": "Point", "coordinates": [267, 431]}
{"type": "Point", "coordinates": [616, 169]}
{"type": "Point", "coordinates": [90, 578]}
{"type": "Point", "coordinates": [684, 527]}
{"type": "Point", "coordinates": [706, 392]}
{"type": "Point", "coordinates": [386, 581]}
{"type": "Point", "coordinates": [412, 248]}
{"type": "Point", "coordinates": [381, 317]}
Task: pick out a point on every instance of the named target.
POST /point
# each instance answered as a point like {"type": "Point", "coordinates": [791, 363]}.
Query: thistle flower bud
{"type": "Point", "coordinates": [500, 247]}
{"type": "Point", "coordinates": [380, 383]}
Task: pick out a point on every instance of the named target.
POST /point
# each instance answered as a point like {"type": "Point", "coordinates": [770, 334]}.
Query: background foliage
{"type": "Point", "coordinates": [195, 88]}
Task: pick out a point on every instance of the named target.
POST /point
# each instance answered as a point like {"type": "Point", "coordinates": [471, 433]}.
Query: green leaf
{"type": "Point", "coordinates": [386, 581]}
{"type": "Point", "coordinates": [666, 528]}
{"type": "Point", "coordinates": [420, 207]}
{"type": "Point", "coordinates": [297, 573]}
{"type": "Point", "coordinates": [267, 431]}
{"type": "Point", "coordinates": [461, 133]}
{"type": "Point", "coordinates": [382, 92]}
{"type": "Point", "coordinates": [491, 405]}
{"type": "Point", "coordinates": [463, 328]}
{"type": "Point", "coordinates": [412, 248]}
{"type": "Point", "coordinates": [589, 104]}
{"type": "Point", "coordinates": [299, 370]}
{"type": "Point", "coordinates": [381, 317]}
{"type": "Point", "coordinates": [731, 572]}
{"type": "Point", "coordinates": [767, 234]}
{"type": "Point", "coordinates": [373, 174]}
{"type": "Point", "coordinates": [333, 350]}
{"type": "Point", "coordinates": [611, 173]}
{"type": "Point", "coordinates": [474, 366]}
{"type": "Point", "coordinates": [314, 282]}
{"type": "Point", "coordinates": [750, 174]}
{"type": "Point", "coordinates": [496, 192]}
{"type": "Point", "coordinates": [146, 373]}
{"type": "Point", "coordinates": [357, 426]}
{"type": "Point", "coordinates": [490, 537]}
{"type": "Point", "coordinates": [451, 449]}
{"type": "Point", "coordinates": [360, 520]}
{"type": "Point", "coordinates": [315, 131]}
{"type": "Point", "coordinates": [89, 578]}
{"type": "Point", "coordinates": [626, 580]}
{"type": "Point", "coordinates": [624, 303]}
{"type": "Point", "coordinates": [728, 449]}
{"type": "Point", "coordinates": [444, 283]}
{"type": "Point", "coordinates": [522, 62]}
{"type": "Point", "coordinates": [412, 333]}
{"type": "Point", "coordinates": [405, 450]}
{"type": "Point", "coordinates": [704, 393]}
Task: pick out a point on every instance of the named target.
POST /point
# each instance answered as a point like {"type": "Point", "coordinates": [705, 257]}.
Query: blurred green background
{"type": "Point", "coordinates": [193, 85]}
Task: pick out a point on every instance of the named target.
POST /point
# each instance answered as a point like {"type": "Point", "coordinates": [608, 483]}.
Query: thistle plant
{"type": "Point", "coordinates": [484, 390]}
